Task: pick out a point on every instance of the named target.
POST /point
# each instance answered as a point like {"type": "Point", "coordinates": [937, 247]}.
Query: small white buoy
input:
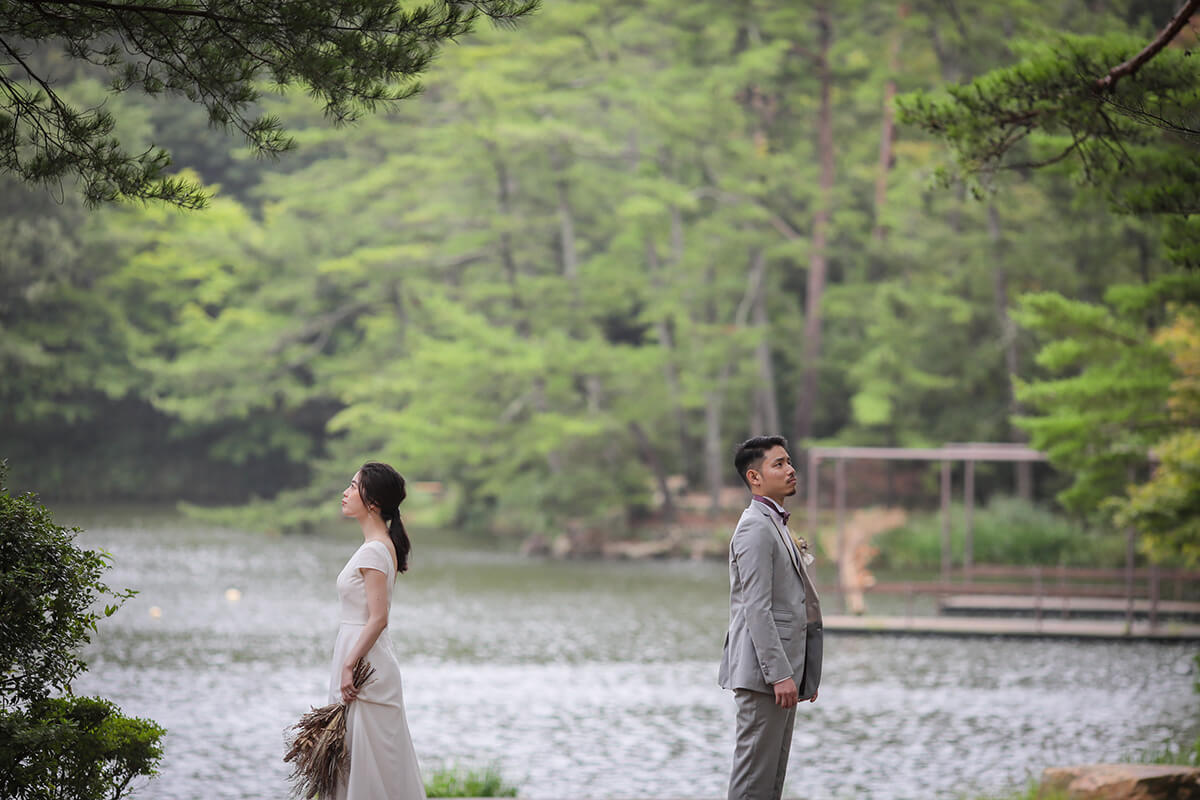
{"type": "Point", "coordinates": [232, 595]}
{"type": "Point", "coordinates": [155, 612]}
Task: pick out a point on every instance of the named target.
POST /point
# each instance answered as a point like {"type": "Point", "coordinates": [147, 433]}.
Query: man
{"type": "Point", "coordinates": [772, 657]}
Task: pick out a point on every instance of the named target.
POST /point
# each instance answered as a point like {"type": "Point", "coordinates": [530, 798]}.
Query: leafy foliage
{"type": "Point", "coordinates": [1166, 508]}
{"type": "Point", "coordinates": [1049, 107]}
{"type": "Point", "coordinates": [352, 56]}
{"type": "Point", "coordinates": [1123, 118]}
{"type": "Point", "coordinates": [574, 271]}
{"type": "Point", "coordinates": [1101, 418]}
{"type": "Point", "coordinates": [1006, 531]}
{"type": "Point", "coordinates": [49, 587]}
{"type": "Point", "coordinates": [67, 747]}
{"type": "Point", "coordinates": [74, 748]}
{"type": "Point", "coordinates": [460, 781]}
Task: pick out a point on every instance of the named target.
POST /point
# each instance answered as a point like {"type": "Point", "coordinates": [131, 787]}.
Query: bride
{"type": "Point", "coordinates": [383, 763]}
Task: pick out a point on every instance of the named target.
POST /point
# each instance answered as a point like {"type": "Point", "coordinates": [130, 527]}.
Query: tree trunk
{"type": "Point", "coordinates": [713, 451]}
{"type": "Point", "coordinates": [1008, 336]}
{"type": "Point", "coordinates": [1008, 329]}
{"type": "Point", "coordinates": [508, 259]}
{"type": "Point", "coordinates": [566, 235]}
{"type": "Point", "coordinates": [667, 342]}
{"type": "Point", "coordinates": [569, 255]}
{"type": "Point", "coordinates": [806, 401]}
{"type": "Point", "coordinates": [504, 201]}
{"type": "Point", "coordinates": [667, 510]}
{"type": "Point", "coordinates": [887, 132]}
{"type": "Point", "coordinates": [766, 404]}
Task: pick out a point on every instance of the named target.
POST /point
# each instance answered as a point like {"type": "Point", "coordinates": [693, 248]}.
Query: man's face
{"type": "Point", "coordinates": [776, 477]}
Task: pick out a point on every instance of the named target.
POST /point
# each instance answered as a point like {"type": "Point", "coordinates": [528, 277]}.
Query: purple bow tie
{"type": "Point", "coordinates": [783, 514]}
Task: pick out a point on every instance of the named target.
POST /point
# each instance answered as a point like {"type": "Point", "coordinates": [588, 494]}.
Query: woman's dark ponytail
{"type": "Point", "coordinates": [399, 538]}
{"type": "Point", "coordinates": [383, 487]}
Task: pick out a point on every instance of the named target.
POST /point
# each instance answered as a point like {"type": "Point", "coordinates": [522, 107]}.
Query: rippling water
{"type": "Point", "coordinates": [586, 680]}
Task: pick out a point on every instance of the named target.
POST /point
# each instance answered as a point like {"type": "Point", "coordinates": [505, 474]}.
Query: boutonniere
{"type": "Point", "coordinates": [805, 556]}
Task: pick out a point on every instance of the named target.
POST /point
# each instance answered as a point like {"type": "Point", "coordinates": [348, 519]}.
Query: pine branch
{"type": "Point", "coordinates": [1108, 82]}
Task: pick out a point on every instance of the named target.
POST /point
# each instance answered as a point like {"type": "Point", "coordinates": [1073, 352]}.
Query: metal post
{"type": "Point", "coordinates": [1153, 596]}
{"type": "Point", "coordinates": [946, 555]}
{"type": "Point", "coordinates": [1037, 604]}
{"type": "Point", "coordinates": [1062, 590]}
{"type": "Point", "coordinates": [839, 495]}
{"type": "Point", "coordinates": [1130, 535]}
{"type": "Point", "coordinates": [1025, 480]}
{"type": "Point", "coordinates": [969, 512]}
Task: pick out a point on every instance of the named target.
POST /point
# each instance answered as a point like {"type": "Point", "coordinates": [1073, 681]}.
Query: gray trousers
{"type": "Point", "coordinates": [763, 740]}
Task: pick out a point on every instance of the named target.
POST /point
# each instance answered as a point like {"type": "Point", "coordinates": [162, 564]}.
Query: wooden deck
{"type": "Point", "coordinates": [1023, 628]}
{"type": "Point", "coordinates": [1065, 607]}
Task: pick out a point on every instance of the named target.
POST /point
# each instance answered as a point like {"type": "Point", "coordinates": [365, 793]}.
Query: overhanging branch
{"type": "Point", "coordinates": [1109, 81]}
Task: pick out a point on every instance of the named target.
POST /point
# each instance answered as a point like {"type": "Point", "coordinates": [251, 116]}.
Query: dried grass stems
{"type": "Point", "coordinates": [317, 744]}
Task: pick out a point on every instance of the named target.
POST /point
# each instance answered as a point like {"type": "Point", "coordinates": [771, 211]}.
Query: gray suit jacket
{"type": "Point", "coordinates": [773, 632]}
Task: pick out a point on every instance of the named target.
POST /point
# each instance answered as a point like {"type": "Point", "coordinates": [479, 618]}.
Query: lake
{"type": "Point", "coordinates": [583, 679]}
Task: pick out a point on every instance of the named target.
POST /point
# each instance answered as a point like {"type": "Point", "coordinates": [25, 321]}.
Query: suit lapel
{"type": "Point", "coordinates": [787, 545]}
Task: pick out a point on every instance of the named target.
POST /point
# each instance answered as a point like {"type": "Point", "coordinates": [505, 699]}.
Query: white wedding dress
{"type": "Point", "coordinates": [383, 763]}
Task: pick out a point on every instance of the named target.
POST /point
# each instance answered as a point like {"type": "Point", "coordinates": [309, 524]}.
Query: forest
{"type": "Point", "coordinates": [605, 244]}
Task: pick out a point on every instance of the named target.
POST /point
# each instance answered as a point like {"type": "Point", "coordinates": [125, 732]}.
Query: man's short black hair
{"type": "Point", "coordinates": [751, 452]}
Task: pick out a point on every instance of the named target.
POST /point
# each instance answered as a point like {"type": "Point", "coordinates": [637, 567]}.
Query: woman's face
{"type": "Point", "coordinates": [352, 503]}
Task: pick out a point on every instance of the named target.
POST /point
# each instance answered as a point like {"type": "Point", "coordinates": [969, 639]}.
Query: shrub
{"type": "Point", "coordinates": [68, 748]}
{"type": "Point", "coordinates": [463, 782]}
{"type": "Point", "coordinates": [1006, 531]}
{"type": "Point", "coordinates": [80, 747]}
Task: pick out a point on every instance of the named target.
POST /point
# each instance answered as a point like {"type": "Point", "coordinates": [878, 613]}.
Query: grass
{"type": "Point", "coordinates": [1171, 754]}
{"type": "Point", "coordinates": [457, 781]}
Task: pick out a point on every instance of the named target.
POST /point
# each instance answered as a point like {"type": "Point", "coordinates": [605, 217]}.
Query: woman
{"type": "Point", "coordinates": [383, 763]}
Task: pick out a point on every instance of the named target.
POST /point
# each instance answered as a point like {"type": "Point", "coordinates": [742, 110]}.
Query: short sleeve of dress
{"type": "Point", "coordinates": [374, 556]}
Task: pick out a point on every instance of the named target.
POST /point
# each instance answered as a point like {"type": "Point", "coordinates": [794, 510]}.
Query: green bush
{"type": "Point", "coordinates": [464, 782]}
{"type": "Point", "coordinates": [1006, 531]}
{"type": "Point", "coordinates": [1174, 754]}
{"type": "Point", "coordinates": [74, 748]}
{"type": "Point", "coordinates": [61, 747]}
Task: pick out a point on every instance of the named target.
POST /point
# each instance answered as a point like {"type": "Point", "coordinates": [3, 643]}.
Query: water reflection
{"type": "Point", "coordinates": [586, 680]}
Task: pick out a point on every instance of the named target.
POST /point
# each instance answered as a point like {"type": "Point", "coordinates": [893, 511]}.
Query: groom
{"type": "Point", "coordinates": [772, 657]}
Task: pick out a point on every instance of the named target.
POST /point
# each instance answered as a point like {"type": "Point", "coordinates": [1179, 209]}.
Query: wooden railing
{"type": "Point", "coordinates": [1141, 587]}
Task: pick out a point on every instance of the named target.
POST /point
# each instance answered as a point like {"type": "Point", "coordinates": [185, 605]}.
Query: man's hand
{"type": "Point", "coordinates": [813, 699]}
{"type": "Point", "coordinates": [786, 693]}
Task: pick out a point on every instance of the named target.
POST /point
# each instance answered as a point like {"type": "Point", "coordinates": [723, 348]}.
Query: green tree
{"type": "Point", "coordinates": [1120, 117]}
{"type": "Point", "coordinates": [1166, 508]}
{"type": "Point", "coordinates": [1104, 407]}
{"type": "Point", "coordinates": [57, 746]}
{"type": "Point", "coordinates": [584, 254]}
{"type": "Point", "coordinates": [352, 56]}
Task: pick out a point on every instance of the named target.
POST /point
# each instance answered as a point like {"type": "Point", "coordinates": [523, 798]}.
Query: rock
{"type": "Point", "coordinates": [535, 545]}
{"type": "Point", "coordinates": [709, 548]}
{"type": "Point", "coordinates": [1122, 782]}
{"type": "Point", "coordinates": [578, 541]}
{"type": "Point", "coordinates": [659, 548]}
{"type": "Point", "coordinates": [561, 546]}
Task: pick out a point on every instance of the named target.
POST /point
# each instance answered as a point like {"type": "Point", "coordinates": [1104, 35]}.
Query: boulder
{"type": "Point", "coordinates": [535, 545]}
{"type": "Point", "coordinates": [1122, 782]}
{"type": "Point", "coordinates": [657, 548]}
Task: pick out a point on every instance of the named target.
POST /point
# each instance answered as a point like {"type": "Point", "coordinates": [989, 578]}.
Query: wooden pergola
{"type": "Point", "coordinates": [969, 453]}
